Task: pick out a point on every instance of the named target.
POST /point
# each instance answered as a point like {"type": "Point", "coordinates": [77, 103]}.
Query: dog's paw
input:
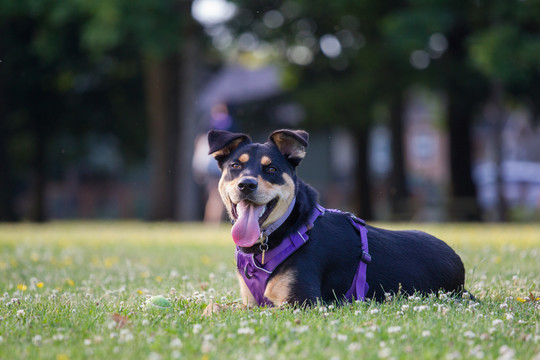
{"type": "Point", "coordinates": [212, 309]}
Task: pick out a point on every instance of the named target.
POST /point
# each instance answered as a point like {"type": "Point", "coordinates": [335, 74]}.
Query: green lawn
{"type": "Point", "coordinates": [78, 290]}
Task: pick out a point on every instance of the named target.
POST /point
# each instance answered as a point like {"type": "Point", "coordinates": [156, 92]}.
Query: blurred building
{"type": "Point", "coordinates": [519, 170]}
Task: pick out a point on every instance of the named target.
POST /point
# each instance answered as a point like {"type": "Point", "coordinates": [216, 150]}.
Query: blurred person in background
{"type": "Point", "coordinates": [206, 169]}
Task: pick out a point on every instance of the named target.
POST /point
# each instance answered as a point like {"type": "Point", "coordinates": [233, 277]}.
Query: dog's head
{"type": "Point", "coordinates": [258, 181]}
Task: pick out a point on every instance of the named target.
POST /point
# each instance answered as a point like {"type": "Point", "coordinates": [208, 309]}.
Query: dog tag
{"type": "Point", "coordinates": [263, 247]}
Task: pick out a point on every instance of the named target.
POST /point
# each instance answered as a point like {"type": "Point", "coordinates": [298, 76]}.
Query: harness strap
{"type": "Point", "coordinates": [359, 287]}
{"type": "Point", "coordinates": [256, 274]}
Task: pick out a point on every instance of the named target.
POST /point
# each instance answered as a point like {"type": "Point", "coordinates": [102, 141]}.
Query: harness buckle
{"type": "Point", "coordinates": [366, 257]}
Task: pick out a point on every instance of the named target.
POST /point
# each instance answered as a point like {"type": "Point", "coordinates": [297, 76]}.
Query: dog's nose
{"type": "Point", "coordinates": [247, 185]}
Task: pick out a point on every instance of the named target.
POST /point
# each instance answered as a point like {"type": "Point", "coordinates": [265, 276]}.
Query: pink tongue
{"type": "Point", "coordinates": [246, 230]}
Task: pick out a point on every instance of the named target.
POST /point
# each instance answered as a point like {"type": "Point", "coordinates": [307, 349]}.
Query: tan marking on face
{"type": "Point", "coordinates": [226, 190]}
{"type": "Point", "coordinates": [285, 194]}
{"type": "Point", "coordinates": [244, 158]}
{"type": "Point", "coordinates": [265, 193]}
{"type": "Point", "coordinates": [278, 289]}
{"type": "Point", "coordinates": [247, 297]}
{"type": "Point", "coordinates": [265, 160]}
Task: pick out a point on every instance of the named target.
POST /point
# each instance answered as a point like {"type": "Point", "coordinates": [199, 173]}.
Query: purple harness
{"type": "Point", "coordinates": [256, 275]}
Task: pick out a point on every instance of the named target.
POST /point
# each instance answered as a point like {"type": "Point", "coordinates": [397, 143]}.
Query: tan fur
{"type": "Point", "coordinates": [228, 149]}
{"type": "Point", "coordinates": [245, 293]}
{"type": "Point", "coordinates": [265, 160]}
{"type": "Point", "coordinates": [267, 191]}
{"type": "Point", "coordinates": [286, 196]}
{"type": "Point", "coordinates": [278, 289]}
{"type": "Point", "coordinates": [244, 158]}
{"type": "Point", "coordinates": [290, 146]}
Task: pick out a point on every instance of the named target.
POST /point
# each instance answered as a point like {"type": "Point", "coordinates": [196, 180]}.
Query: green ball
{"type": "Point", "coordinates": [158, 302]}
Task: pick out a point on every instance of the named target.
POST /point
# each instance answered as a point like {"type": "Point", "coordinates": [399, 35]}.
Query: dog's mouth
{"type": "Point", "coordinates": [249, 217]}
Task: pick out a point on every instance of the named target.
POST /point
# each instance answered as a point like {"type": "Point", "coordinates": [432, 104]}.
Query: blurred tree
{"type": "Point", "coordinates": [473, 51]}
{"type": "Point", "coordinates": [340, 68]}
{"type": "Point", "coordinates": [433, 35]}
{"type": "Point", "coordinates": [348, 56]}
{"type": "Point", "coordinates": [505, 48]}
{"type": "Point", "coordinates": [80, 64]}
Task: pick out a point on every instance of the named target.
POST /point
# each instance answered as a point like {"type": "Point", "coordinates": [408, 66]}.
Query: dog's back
{"type": "Point", "coordinates": [410, 261]}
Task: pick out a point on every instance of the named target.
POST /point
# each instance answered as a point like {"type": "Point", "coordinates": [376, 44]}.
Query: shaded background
{"type": "Point", "coordinates": [424, 110]}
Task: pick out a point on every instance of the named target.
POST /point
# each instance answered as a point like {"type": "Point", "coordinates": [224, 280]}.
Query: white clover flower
{"type": "Point", "coordinates": [20, 313]}
{"type": "Point", "coordinates": [503, 306]}
{"type": "Point", "coordinates": [342, 337]}
{"type": "Point", "coordinates": [469, 334]}
{"type": "Point", "coordinates": [374, 311]}
{"type": "Point", "coordinates": [125, 336]}
{"type": "Point", "coordinates": [405, 307]}
{"type": "Point", "coordinates": [426, 333]}
{"type": "Point", "coordinates": [37, 340]}
{"type": "Point", "coordinates": [301, 329]}
{"type": "Point", "coordinates": [497, 322]}
{"type": "Point", "coordinates": [420, 308]}
{"type": "Point", "coordinates": [58, 337]}
{"type": "Point", "coordinates": [197, 328]}
{"type": "Point", "coordinates": [354, 346]}
{"type": "Point", "coordinates": [246, 331]}
{"type": "Point", "coordinates": [87, 342]}
{"type": "Point", "coordinates": [207, 347]}
{"type": "Point", "coordinates": [394, 329]}
{"type": "Point", "coordinates": [454, 355]}
{"type": "Point", "coordinates": [384, 353]}
{"type": "Point", "coordinates": [506, 353]}
{"type": "Point", "coordinates": [509, 316]}
{"type": "Point", "coordinates": [176, 343]}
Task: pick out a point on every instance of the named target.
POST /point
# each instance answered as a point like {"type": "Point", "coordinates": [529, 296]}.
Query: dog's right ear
{"type": "Point", "coordinates": [223, 143]}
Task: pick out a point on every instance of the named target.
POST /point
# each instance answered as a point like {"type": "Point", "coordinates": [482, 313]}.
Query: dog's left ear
{"type": "Point", "coordinates": [223, 143]}
{"type": "Point", "coordinates": [291, 143]}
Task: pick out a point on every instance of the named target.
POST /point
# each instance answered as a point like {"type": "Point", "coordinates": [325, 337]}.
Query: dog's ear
{"type": "Point", "coordinates": [291, 143]}
{"type": "Point", "coordinates": [223, 143]}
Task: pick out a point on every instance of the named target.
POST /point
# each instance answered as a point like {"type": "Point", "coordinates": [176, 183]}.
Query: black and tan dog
{"type": "Point", "coordinates": [268, 203]}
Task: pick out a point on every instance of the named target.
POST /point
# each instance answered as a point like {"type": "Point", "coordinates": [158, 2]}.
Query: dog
{"type": "Point", "coordinates": [290, 250]}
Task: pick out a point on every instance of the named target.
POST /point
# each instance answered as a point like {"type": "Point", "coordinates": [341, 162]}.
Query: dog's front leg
{"type": "Point", "coordinates": [247, 297]}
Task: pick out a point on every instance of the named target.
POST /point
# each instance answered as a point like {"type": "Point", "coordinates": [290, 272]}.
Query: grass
{"type": "Point", "coordinates": [78, 291]}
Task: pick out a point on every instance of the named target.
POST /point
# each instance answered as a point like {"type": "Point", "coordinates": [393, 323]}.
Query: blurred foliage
{"type": "Point", "coordinates": [76, 66]}
{"type": "Point", "coordinates": [460, 44]}
{"type": "Point", "coordinates": [72, 69]}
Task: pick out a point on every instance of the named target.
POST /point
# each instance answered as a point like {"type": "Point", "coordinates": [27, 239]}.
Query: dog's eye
{"type": "Point", "coordinates": [235, 166]}
{"type": "Point", "coordinates": [271, 169]}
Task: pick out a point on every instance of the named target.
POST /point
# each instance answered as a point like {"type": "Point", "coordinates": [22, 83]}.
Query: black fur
{"type": "Point", "coordinates": [402, 261]}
